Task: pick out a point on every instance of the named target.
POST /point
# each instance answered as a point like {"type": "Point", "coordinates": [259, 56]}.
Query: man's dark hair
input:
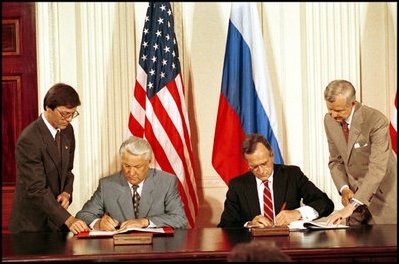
{"type": "Point", "coordinates": [249, 144]}
{"type": "Point", "coordinates": [61, 94]}
{"type": "Point", "coordinates": [257, 251]}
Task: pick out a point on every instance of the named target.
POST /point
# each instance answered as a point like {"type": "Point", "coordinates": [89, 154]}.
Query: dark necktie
{"type": "Point", "coordinates": [136, 201]}
{"type": "Point", "coordinates": [58, 141]}
{"type": "Point", "coordinates": [345, 130]}
{"type": "Point", "coordinates": [267, 202]}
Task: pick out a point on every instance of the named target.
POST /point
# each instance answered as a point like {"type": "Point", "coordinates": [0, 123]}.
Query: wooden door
{"type": "Point", "coordinates": [18, 90]}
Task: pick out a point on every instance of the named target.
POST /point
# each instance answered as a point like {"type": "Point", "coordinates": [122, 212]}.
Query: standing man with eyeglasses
{"type": "Point", "coordinates": [270, 194]}
{"type": "Point", "coordinates": [44, 156]}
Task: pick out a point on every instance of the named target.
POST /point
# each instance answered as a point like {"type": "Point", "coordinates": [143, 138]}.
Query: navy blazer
{"type": "Point", "coordinates": [290, 185]}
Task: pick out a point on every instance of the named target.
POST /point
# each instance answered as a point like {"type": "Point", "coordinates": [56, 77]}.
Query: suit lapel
{"type": "Point", "coordinates": [338, 136]}
{"type": "Point", "coordinates": [251, 194]}
{"type": "Point", "coordinates": [51, 146]}
{"type": "Point", "coordinates": [354, 130]}
{"type": "Point", "coordinates": [146, 193]}
{"type": "Point", "coordinates": [279, 188]}
{"type": "Point", "coordinates": [124, 198]}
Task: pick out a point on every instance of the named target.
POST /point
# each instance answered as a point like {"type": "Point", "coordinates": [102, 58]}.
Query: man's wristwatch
{"type": "Point", "coordinates": [354, 203]}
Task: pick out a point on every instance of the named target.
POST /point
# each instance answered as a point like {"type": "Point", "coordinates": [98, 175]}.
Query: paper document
{"type": "Point", "coordinates": [312, 225]}
{"type": "Point", "coordinates": [99, 233]}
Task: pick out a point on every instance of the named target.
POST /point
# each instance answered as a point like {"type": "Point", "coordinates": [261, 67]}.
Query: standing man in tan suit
{"type": "Point", "coordinates": [363, 167]}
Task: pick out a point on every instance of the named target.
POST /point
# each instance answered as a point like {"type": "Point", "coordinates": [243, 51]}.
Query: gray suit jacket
{"type": "Point", "coordinates": [41, 177]}
{"type": "Point", "coordinates": [367, 163]}
{"type": "Point", "coordinates": [160, 200]}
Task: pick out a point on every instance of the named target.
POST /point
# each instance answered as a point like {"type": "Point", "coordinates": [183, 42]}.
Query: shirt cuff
{"type": "Point", "coordinates": [151, 223]}
{"type": "Point", "coordinates": [93, 223]}
{"type": "Point", "coordinates": [308, 213]}
{"type": "Point", "coordinates": [345, 186]}
{"type": "Point", "coordinates": [356, 200]}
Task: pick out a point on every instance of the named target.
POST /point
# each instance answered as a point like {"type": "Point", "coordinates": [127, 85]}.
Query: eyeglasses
{"type": "Point", "coordinates": [66, 115]}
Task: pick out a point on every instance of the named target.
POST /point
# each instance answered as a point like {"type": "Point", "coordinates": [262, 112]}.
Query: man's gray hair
{"type": "Point", "coordinates": [136, 146]}
{"type": "Point", "coordinates": [340, 87]}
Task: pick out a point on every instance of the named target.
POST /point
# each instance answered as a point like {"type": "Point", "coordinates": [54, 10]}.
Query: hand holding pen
{"type": "Point", "coordinates": [107, 223]}
{"type": "Point", "coordinates": [285, 217]}
{"type": "Point", "coordinates": [260, 221]}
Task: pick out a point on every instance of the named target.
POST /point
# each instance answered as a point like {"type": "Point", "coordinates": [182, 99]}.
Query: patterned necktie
{"type": "Point", "coordinates": [58, 141]}
{"type": "Point", "coordinates": [345, 130]}
{"type": "Point", "coordinates": [267, 202]}
{"type": "Point", "coordinates": [136, 201]}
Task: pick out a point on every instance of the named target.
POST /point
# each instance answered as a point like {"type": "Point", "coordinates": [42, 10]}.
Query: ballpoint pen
{"type": "Point", "coordinates": [283, 206]}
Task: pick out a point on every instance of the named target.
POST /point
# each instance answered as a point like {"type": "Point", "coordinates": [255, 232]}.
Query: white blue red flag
{"type": "Point", "coordinates": [158, 111]}
{"type": "Point", "coordinates": [246, 101]}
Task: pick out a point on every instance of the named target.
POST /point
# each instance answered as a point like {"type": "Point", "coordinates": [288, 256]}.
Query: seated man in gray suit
{"type": "Point", "coordinates": [136, 196]}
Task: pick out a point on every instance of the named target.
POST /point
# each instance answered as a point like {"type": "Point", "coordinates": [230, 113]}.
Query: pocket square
{"type": "Point", "coordinates": [357, 145]}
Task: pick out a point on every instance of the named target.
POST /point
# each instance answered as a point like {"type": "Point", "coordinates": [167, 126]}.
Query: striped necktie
{"type": "Point", "coordinates": [267, 202]}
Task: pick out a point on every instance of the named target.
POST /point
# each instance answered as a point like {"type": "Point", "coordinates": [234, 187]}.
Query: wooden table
{"type": "Point", "coordinates": [366, 243]}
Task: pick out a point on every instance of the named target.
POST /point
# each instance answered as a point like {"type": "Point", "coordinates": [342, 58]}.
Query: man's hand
{"type": "Point", "coordinates": [76, 225]}
{"type": "Point", "coordinates": [106, 223]}
{"type": "Point", "coordinates": [346, 195]}
{"type": "Point", "coordinates": [141, 223]}
{"type": "Point", "coordinates": [285, 217]}
{"type": "Point", "coordinates": [63, 199]}
{"type": "Point", "coordinates": [336, 217]}
{"type": "Point", "coordinates": [260, 221]}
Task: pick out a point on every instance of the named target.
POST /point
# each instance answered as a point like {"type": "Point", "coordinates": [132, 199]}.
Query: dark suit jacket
{"type": "Point", "coordinates": [41, 177]}
{"type": "Point", "coordinates": [290, 185]}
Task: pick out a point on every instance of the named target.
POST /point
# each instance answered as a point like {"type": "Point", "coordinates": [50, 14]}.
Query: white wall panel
{"type": "Point", "coordinates": [94, 46]}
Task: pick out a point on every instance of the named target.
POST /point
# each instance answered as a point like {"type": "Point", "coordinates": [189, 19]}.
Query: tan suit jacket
{"type": "Point", "coordinates": [367, 163]}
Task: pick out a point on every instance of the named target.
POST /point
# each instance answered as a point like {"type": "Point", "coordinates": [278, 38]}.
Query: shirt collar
{"type": "Point", "coordinates": [140, 185]}
{"type": "Point", "coordinates": [53, 131]}
{"type": "Point", "coordinates": [349, 119]}
{"type": "Point", "coordinates": [260, 182]}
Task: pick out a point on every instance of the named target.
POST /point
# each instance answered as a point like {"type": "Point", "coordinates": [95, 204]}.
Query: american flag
{"type": "Point", "coordinates": [158, 110]}
{"type": "Point", "coordinates": [393, 130]}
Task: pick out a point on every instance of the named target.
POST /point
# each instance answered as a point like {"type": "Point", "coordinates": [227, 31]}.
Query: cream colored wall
{"type": "Point", "coordinates": [94, 47]}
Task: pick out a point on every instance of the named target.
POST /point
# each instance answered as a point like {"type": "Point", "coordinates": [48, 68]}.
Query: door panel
{"type": "Point", "coordinates": [19, 88]}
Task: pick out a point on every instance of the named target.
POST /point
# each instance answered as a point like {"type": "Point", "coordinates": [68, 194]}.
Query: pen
{"type": "Point", "coordinates": [283, 206]}
{"type": "Point", "coordinates": [116, 224]}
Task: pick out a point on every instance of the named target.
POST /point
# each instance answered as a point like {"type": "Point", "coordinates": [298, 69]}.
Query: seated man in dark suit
{"type": "Point", "coordinates": [270, 194]}
{"type": "Point", "coordinates": [135, 196]}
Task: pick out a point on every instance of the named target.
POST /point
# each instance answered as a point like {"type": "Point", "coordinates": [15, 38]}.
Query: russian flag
{"type": "Point", "coordinates": [246, 101]}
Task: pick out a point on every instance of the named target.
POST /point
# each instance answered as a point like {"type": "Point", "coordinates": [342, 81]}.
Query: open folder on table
{"type": "Point", "coordinates": [99, 233]}
{"type": "Point", "coordinates": [313, 225]}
